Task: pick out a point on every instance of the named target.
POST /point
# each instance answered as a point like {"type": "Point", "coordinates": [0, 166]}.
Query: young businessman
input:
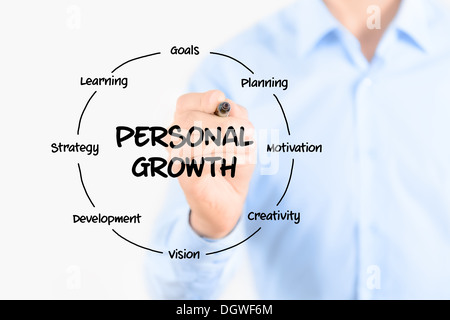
{"type": "Point", "coordinates": [368, 81]}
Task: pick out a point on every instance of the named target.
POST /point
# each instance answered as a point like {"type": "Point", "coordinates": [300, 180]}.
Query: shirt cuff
{"type": "Point", "coordinates": [184, 237]}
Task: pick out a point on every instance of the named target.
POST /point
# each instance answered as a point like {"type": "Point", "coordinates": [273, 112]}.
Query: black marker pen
{"type": "Point", "coordinates": [223, 109]}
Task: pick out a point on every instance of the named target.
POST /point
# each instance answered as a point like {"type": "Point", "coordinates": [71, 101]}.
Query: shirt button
{"type": "Point", "coordinates": [367, 82]}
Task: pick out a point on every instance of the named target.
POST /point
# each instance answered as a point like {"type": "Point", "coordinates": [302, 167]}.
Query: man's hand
{"type": "Point", "coordinates": [216, 201]}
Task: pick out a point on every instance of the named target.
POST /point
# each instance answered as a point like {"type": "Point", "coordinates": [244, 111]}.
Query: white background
{"type": "Point", "coordinates": [46, 47]}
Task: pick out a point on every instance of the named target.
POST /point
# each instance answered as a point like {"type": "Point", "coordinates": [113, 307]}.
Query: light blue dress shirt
{"type": "Point", "coordinates": [375, 203]}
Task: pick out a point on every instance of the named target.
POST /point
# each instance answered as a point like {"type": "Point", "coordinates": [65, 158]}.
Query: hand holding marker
{"type": "Point", "coordinates": [216, 202]}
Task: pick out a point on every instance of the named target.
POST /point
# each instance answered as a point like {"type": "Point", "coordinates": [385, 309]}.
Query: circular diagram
{"type": "Point", "coordinates": [154, 135]}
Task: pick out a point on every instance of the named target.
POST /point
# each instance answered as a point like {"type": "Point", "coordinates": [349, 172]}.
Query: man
{"type": "Point", "coordinates": [371, 90]}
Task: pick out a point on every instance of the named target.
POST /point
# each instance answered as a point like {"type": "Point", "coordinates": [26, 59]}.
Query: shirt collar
{"type": "Point", "coordinates": [315, 23]}
{"type": "Point", "coordinates": [412, 21]}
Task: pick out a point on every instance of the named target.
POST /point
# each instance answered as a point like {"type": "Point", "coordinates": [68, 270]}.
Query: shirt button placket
{"type": "Point", "coordinates": [366, 251]}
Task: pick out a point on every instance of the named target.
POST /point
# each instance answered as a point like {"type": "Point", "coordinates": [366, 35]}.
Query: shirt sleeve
{"type": "Point", "coordinates": [195, 278]}
{"type": "Point", "coordinates": [202, 278]}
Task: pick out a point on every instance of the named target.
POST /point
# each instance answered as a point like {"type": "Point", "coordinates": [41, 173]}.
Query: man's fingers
{"type": "Point", "coordinates": [207, 102]}
{"type": "Point", "coordinates": [197, 131]}
{"type": "Point", "coordinates": [211, 121]}
{"type": "Point", "coordinates": [237, 111]}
